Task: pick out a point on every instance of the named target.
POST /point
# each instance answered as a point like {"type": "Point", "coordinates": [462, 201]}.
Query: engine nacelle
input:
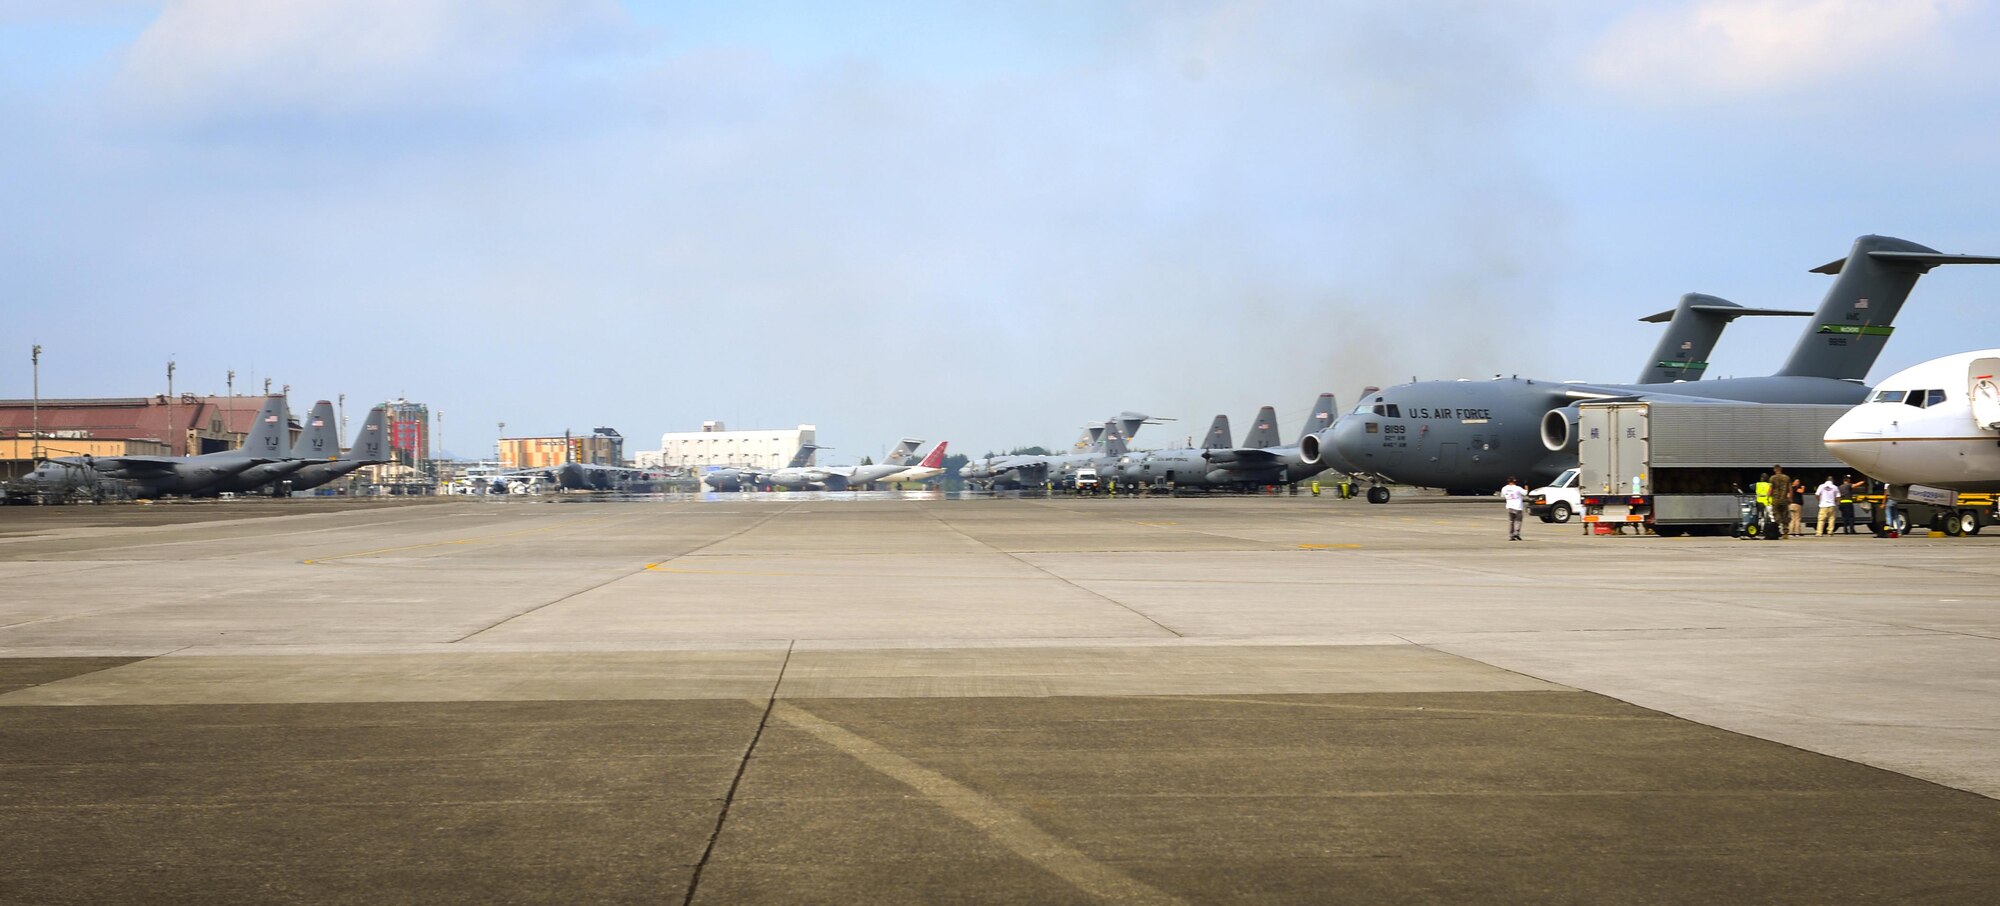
{"type": "Point", "coordinates": [1559, 429]}
{"type": "Point", "coordinates": [1309, 449]}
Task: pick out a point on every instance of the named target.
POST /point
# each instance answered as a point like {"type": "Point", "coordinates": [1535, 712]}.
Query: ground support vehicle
{"type": "Point", "coordinates": [1932, 509]}
{"type": "Point", "coordinates": [1558, 500]}
{"type": "Point", "coordinates": [1681, 467]}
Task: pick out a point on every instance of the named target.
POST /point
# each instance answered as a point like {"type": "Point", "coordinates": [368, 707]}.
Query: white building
{"type": "Point", "coordinates": [714, 445]}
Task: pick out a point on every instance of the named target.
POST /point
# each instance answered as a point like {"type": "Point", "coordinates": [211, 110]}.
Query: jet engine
{"type": "Point", "coordinates": [1309, 449]}
{"type": "Point", "coordinates": [1559, 428]}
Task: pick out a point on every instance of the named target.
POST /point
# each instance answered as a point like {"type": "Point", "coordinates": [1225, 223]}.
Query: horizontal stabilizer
{"type": "Point", "coordinates": [1730, 311]}
{"type": "Point", "coordinates": [1924, 260]}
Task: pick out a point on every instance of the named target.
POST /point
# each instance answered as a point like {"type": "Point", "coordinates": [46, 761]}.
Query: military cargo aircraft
{"type": "Point", "coordinates": [1035, 470]}
{"type": "Point", "coordinates": [841, 478]}
{"type": "Point", "coordinates": [1469, 437]}
{"type": "Point", "coordinates": [157, 476]}
{"type": "Point", "coordinates": [1259, 462]}
{"type": "Point", "coordinates": [371, 447]}
{"type": "Point", "coordinates": [736, 479]}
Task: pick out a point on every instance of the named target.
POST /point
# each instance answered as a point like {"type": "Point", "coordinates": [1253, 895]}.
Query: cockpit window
{"type": "Point", "coordinates": [1395, 411]}
{"type": "Point", "coordinates": [1933, 398]}
{"type": "Point", "coordinates": [1888, 396]}
{"type": "Point", "coordinates": [1364, 409]}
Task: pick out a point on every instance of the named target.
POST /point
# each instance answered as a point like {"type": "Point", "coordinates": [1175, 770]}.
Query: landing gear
{"type": "Point", "coordinates": [1378, 494]}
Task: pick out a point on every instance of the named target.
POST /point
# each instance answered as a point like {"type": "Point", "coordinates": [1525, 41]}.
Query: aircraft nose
{"type": "Point", "coordinates": [1344, 448]}
{"type": "Point", "coordinates": [1852, 440]}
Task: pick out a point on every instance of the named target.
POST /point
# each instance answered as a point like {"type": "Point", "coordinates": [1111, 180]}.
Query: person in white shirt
{"type": "Point", "coordinates": [1829, 502]}
{"type": "Point", "coordinates": [1517, 506]}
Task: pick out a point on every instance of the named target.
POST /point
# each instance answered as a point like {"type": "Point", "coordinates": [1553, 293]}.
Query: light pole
{"type": "Point", "coordinates": [231, 381]}
{"type": "Point", "coordinates": [170, 405]}
{"type": "Point", "coordinates": [343, 415]}
{"type": "Point", "coordinates": [500, 446]}
{"type": "Point", "coordinates": [35, 444]}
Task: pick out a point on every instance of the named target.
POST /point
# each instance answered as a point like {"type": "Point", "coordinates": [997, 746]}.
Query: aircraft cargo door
{"type": "Point", "coordinates": [1448, 457]}
{"type": "Point", "coordinates": [1983, 386]}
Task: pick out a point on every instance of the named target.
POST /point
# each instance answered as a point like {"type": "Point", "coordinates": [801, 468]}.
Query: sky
{"type": "Point", "coordinates": [982, 222]}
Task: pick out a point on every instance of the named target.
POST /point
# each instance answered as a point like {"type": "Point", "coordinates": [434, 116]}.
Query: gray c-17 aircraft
{"type": "Point", "coordinates": [735, 479]}
{"type": "Point", "coordinates": [156, 476]}
{"type": "Point", "coordinates": [841, 478]}
{"type": "Point", "coordinates": [1471, 436]}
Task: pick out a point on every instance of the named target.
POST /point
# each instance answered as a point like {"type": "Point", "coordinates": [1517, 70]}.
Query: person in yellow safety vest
{"type": "Point", "coordinates": [1315, 487]}
{"type": "Point", "coordinates": [1765, 517]}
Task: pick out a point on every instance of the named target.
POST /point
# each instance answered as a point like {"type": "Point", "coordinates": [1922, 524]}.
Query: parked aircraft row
{"type": "Point", "coordinates": [800, 474]}
{"type": "Point", "coordinates": [268, 461]}
{"type": "Point", "coordinates": [1693, 327]}
{"type": "Point", "coordinates": [1471, 436]}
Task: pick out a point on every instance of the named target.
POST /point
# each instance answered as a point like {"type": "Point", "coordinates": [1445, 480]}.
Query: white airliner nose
{"type": "Point", "coordinates": [1855, 438]}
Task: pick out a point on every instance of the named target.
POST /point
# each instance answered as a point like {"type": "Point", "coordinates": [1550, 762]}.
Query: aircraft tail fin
{"type": "Point", "coordinates": [1693, 326]}
{"type": "Point", "coordinates": [1264, 430]}
{"type": "Point", "coordinates": [905, 449]}
{"type": "Point", "coordinates": [1114, 439]}
{"type": "Point", "coordinates": [1218, 435]}
{"type": "Point", "coordinates": [802, 457]}
{"type": "Point", "coordinates": [320, 439]}
{"type": "Point", "coordinates": [371, 443]}
{"type": "Point", "coordinates": [270, 436]}
{"type": "Point", "coordinates": [1855, 319]}
{"type": "Point", "coordinates": [935, 458]}
{"type": "Point", "coordinates": [1324, 411]}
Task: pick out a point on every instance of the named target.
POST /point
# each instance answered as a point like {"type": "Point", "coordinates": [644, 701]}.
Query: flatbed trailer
{"type": "Point", "coordinates": [1676, 468]}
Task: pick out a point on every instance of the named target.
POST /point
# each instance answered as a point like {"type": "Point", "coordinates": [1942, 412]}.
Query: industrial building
{"type": "Point", "coordinates": [410, 432]}
{"type": "Point", "coordinates": [715, 445]}
{"type": "Point", "coordinates": [603, 446]}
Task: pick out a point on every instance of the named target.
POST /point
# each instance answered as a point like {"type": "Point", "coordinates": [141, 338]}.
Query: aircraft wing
{"type": "Point", "coordinates": [135, 465]}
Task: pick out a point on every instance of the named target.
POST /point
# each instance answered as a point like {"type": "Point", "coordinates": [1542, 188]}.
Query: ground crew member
{"type": "Point", "coordinates": [1829, 496]}
{"type": "Point", "coordinates": [1795, 501]}
{"type": "Point", "coordinates": [1849, 489]}
{"type": "Point", "coordinates": [1764, 512]}
{"type": "Point", "coordinates": [1781, 495]}
{"type": "Point", "coordinates": [1517, 498]}
{"type": "Point", "coordinates": [1315, 487]}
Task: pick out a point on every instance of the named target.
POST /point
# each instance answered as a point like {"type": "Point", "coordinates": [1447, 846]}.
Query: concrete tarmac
{"type": "Point", "coordinates": [881, 698]}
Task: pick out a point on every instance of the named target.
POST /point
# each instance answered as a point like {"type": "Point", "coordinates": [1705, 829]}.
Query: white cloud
{"type": "Point", "coordinates": [220, 59]}
{"type": "Point", "coordinates": [1730, 49]}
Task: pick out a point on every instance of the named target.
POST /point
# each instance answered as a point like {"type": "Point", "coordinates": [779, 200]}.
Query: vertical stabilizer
{"type": "Point", "coordinates": [934, 459]}
{"type": "Point", "coordinates": [1324, 411]}
{"type": "Point", "coordinates": [1114, 439]}
{"type": "Point", "coordinates": [270, 436]}
{"type": "Point", "coordinates": [371, 443]}
{"type": "Point", "coordinates": [802, 457]}
{"type": "Point", "coordinates": [905, 449]}
{"type": "Point", "coordinates": [1693, 326]}
{"type": "Point", "coordinates": [1859, 311]}
{"type": "Point", "coordinates": [320, 439]}
{"type": "Point", "coordinates": [1219, 437]}
{"type": "Point", "coordinates": [1263, 430]}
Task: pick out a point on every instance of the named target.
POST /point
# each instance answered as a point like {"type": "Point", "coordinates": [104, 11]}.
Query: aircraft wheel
{"type": "Point", "coordinates": [1378, 494]}
{"type": "Point", "coordinates": [1559, 511]}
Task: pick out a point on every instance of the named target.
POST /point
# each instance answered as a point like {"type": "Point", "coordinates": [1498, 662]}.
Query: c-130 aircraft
{"type": "Point", "coordinates": [1470, 436]}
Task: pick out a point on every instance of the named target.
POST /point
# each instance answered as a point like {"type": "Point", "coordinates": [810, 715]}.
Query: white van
{"type": "Point", "coordinates": [1557, 501]}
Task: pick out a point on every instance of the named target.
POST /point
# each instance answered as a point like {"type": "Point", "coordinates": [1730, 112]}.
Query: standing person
{"type": "Point", "coordinates": [1517, 502]}
{"type": "Point", "coordinates": [1829, 497]}
{"type": "Point", "coordinates": [1781, 499]}
{"type": "Point", "coordinates": [1849, 489]}
{"type": "Point", "coordinates": [1764, 511]}
{"type": "Point", "coordinates": [1796, 501]}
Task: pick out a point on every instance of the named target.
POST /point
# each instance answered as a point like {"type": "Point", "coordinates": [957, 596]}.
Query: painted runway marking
{"type": "Point", "coordinates": [990, 817]}
{"type": "Point", "coordinates": [1329, 547]}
